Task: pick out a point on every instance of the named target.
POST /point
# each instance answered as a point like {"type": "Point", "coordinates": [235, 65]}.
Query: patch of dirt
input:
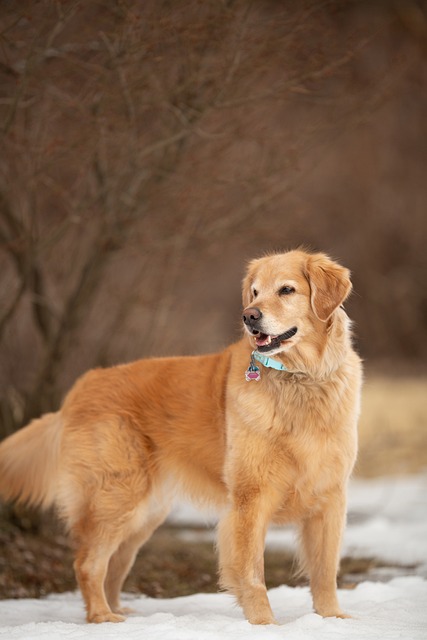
{"type": "Point", "coordinates": [34, 564]}
{"type": "Point", "coordinates": [39, 561]}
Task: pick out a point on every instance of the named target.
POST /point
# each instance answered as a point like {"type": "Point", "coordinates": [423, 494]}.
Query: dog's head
{"type": "Point", "coordinates": [286, 296]}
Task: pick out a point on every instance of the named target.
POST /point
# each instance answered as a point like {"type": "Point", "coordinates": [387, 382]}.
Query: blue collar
{"type": "Point", "coordinates": [269, 362]}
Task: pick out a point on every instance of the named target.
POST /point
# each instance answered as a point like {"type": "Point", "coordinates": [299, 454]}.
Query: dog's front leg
{"type": "Point", "coordinates": [241, 555]}
{"type": "Point", "coordinates": [321, 540]}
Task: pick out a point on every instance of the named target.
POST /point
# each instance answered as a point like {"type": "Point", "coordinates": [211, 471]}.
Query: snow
{"type": "Point", "coordinates": [387, 520]}
{"type": "Point", "coordinates": [380, 611]}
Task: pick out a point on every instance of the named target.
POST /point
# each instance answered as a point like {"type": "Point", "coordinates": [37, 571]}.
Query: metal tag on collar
{"type": "Point", "coordinates": [252, 372]}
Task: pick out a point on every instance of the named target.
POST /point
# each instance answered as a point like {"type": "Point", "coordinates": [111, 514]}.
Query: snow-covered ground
{"type": "Point", "coordinates": [387, 520]}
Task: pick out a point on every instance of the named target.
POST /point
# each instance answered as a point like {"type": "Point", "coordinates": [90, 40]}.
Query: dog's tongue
{"type": "Point", "coordinates": [263, 340]}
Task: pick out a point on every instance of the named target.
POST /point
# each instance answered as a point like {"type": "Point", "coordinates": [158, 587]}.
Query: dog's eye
{"type": "Point", "coordinates": [286, 290]}
{"type": "Point", "coordinates": [255, 293]}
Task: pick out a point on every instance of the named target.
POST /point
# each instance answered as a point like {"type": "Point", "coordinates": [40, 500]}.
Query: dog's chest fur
{"type": "Point", "coordinates": [302, 441]}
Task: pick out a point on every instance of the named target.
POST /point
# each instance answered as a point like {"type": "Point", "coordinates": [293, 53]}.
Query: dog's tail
{"type": "Point", "coordinates": [29, 462]}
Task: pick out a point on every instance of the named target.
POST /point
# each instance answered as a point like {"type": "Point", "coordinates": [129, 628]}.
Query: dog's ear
{"type": "Point", "coordinates": [247, 283]}
{"type": "Point", "coordinates": [329, 284]}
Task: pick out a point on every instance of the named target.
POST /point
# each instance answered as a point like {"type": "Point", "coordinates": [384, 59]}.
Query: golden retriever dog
{"type": "Point", "coordinates": [264, 430]}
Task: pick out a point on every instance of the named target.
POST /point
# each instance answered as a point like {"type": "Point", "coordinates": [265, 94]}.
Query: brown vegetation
{"type": "Point", "coordinates": [150, 148]}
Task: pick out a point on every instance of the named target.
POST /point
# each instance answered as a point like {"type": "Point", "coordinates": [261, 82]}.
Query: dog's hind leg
{"type": "Point", "coordinates": [91, 565]}
{"type": "Point", "coordinates": [122, 560]}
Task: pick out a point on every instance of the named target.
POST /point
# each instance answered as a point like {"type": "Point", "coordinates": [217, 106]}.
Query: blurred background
{"type": "Point", "coordinates": [150, 148]}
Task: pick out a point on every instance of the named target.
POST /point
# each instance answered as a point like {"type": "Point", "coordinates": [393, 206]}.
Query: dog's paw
{"type": "Point", "coordinates": [106, 616]}
{"type": "Point", "coordinates": [256, 606]}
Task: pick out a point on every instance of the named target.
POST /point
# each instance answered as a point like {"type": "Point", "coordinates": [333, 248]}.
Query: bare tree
{"type": "Point", "coordinates": [138, 135]}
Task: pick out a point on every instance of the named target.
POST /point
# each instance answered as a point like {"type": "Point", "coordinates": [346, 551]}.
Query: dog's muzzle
{"type": "Point", "coordinates": [265, 342]}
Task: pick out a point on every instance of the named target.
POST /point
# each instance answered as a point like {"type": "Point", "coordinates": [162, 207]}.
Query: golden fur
{"type": "Point", "coordinates": [281, 449]}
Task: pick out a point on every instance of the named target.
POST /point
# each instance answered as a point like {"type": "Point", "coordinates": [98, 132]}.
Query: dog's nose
{"type": "Point", "coordinates": [251, 315]}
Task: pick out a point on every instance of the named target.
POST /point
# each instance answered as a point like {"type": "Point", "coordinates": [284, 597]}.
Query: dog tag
{"type": "Point", "coordinates": [252, 372]}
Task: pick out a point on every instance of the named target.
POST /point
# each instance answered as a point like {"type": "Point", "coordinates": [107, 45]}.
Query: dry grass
{"type": "Point", "coordinates": [393, 426]}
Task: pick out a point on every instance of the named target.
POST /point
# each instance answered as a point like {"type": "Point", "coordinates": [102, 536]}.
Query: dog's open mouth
{"type": "Point", "coordinates": [266, 342]}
